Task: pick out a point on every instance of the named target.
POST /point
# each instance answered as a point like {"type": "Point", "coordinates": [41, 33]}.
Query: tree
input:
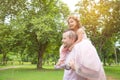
{"type": "Point", "coordinates": [101, 20]}
{"type": "Point", "coordinates": [35, 24]}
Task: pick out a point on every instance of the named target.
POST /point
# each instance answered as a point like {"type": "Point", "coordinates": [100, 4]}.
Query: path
{"type": "Point", "coordinates": [9, 67]}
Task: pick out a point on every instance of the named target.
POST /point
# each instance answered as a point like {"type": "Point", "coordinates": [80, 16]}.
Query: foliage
{"type": "Point", "coordinates": [30, 30]}
{"type": "Point", "coordinates": [28, 27]}
{"type": "Point", "coordinates": [102, 23]}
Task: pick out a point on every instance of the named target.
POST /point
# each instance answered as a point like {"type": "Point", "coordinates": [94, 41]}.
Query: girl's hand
{"type": "Point", "coordinates": [70, 48]}
{"type": "Point", "coordinates": [65, 49]}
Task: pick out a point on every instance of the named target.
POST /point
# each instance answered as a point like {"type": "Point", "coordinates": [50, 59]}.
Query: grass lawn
{"type": "Point", "coordinates": [29, 72]}
{"type": "Point", "coordinates": [113, 71]}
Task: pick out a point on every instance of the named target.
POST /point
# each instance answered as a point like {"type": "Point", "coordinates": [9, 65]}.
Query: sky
{"type": "Point", "coordinates": [71, 4]}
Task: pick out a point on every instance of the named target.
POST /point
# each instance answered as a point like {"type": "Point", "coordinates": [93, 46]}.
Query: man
{"type": "Point", "coordinates": [69, 37]}
{"type": "Point", "coordinates": [82, 63]}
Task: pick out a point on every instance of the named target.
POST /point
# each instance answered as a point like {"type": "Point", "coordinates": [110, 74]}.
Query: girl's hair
{"type": "Point", "coordinates": [76, 19]}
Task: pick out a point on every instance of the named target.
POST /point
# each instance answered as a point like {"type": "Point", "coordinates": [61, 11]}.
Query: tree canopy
{"type": "Point", "coordinates": [31, 30]}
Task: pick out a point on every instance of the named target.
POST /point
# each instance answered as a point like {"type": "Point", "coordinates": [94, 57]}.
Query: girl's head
{"type": "Point", "coordinates": [73, 23]}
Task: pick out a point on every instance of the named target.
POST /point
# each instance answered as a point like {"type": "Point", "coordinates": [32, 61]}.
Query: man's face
{"type": "Point", "coordinates": [67, 42]}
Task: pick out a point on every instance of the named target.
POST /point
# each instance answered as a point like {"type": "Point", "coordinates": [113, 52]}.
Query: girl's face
{"type": "Point", "coordinates": [72, 24]}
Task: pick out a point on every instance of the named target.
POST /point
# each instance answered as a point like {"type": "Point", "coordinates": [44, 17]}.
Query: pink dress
{"type": "Point", "coordinates": [62, 54]}
{"type": "Point", "coordinates": [61, 61]}
{"type": "Point", "coordinates": [86, 61]}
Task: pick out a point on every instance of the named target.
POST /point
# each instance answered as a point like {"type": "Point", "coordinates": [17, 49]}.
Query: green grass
{"type": "Point", "coordinates": [29, 72]}
{"type": "Point", "coordinates": [113, 71]}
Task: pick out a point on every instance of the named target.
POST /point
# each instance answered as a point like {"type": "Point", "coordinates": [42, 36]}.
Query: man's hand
{"type": "Point", "coordinates": [72, 64]}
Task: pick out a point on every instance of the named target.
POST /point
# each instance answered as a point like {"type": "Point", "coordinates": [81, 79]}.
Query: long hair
{"type": "Point", "coordinates": [76, 19]}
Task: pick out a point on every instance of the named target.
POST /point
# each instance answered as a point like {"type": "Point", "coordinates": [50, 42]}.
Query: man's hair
{"type": "Point", "coordinates": [71, 34]}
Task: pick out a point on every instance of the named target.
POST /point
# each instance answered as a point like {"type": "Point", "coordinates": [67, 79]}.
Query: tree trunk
{"type": "Point", "coordinates": [41, 51]}
{"type": "Point", "coordinates": [115, 55]}
{"type": "Point", "coordinates": [104, 61]}
{"type": "Point", "coordinates": [4, 61]}
{"type": "Point", "coordinates": [39, 64]}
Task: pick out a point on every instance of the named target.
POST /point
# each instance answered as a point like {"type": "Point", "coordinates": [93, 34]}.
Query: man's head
{"type": "Point", "coordinates": [69, 37]}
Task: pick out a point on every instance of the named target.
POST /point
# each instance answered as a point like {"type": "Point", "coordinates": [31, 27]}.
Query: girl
{"type": "Point", "coordinates": [73, 24]}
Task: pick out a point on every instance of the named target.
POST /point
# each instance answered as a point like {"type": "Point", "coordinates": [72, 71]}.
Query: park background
{"type": "Point", "coordinates": [31, 33]}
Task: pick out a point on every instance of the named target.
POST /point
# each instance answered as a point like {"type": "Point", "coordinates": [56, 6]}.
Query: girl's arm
{"type": "Point", "coordinates": [79, 33]}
